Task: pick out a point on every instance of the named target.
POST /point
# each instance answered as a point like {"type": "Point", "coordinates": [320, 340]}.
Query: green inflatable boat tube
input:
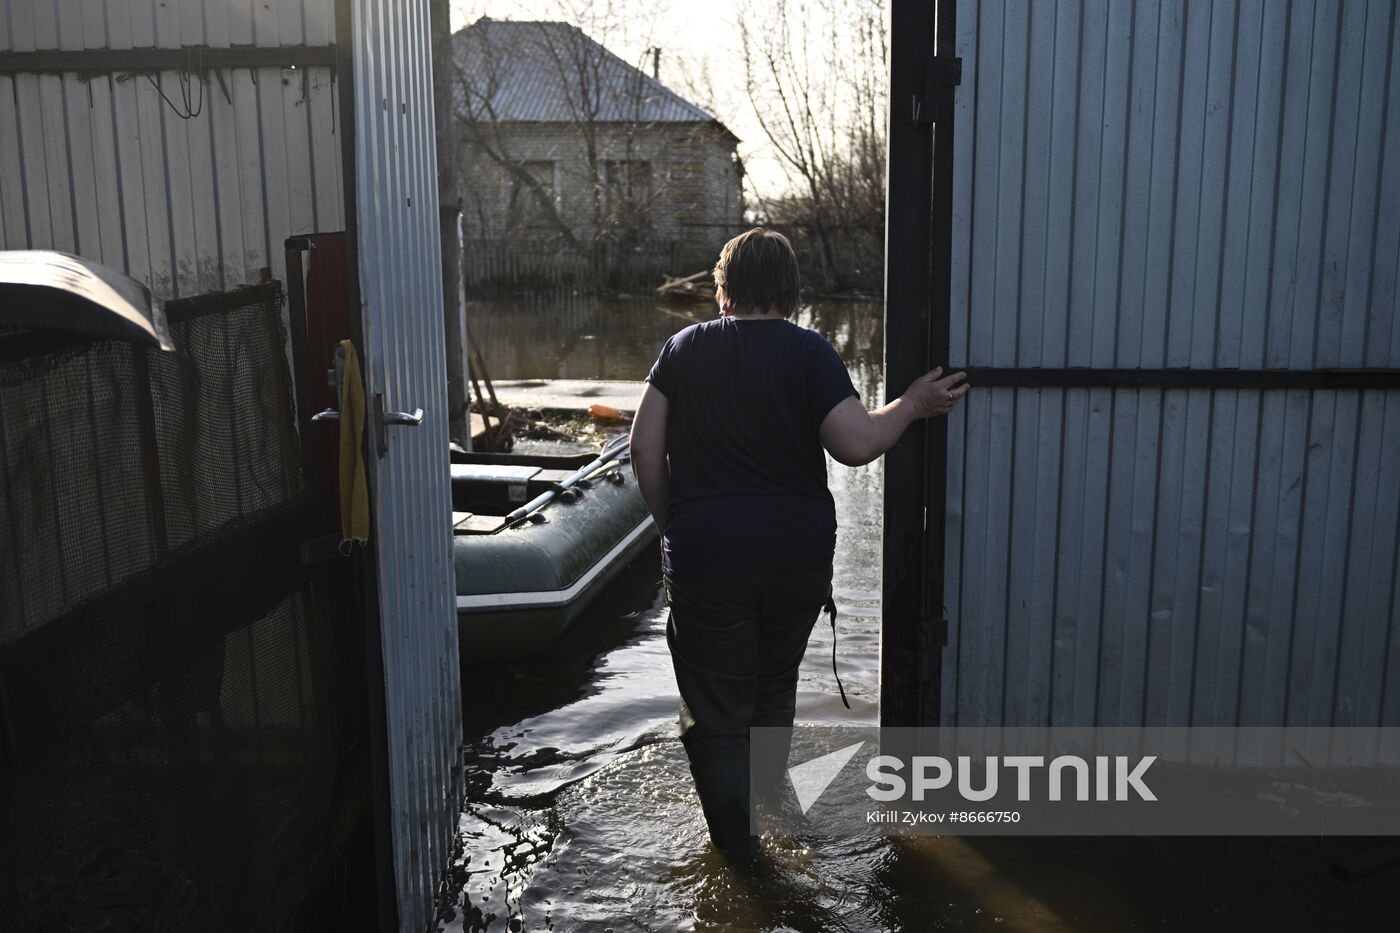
{"type": "Point", "coordinates": [521, 583]}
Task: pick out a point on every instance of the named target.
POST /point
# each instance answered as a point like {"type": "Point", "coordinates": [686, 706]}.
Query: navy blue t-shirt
{"type": "Point", "coordinates": [748, 492]}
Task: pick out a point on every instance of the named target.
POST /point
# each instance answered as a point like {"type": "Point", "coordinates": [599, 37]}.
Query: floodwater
{"type": "Point", "coordinates": [580, 812]}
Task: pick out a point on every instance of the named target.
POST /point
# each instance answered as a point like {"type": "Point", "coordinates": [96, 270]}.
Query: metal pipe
{"type": "Point", "coordinates": [944, 73]}
{"type": "Point", "coordinates": [150, 61]}
{"type": "Point", "coordinates": [909, 177]}
{"type": "Point", "coordinates": [301, 372]}
{"type": "Point", "coordinates": [1086, 378]}
{"type": "Point", "coordinates": [180, 310]}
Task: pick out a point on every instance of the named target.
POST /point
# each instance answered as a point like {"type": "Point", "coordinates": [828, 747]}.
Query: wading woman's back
{"type": "Point", "coordinates": [728, 448]}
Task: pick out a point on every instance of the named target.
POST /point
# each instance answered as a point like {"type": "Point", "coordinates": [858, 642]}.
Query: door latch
{"type": "Point", "coordinates": [941, 75]}
{"type": "Point", "coordinates": [334, 377]}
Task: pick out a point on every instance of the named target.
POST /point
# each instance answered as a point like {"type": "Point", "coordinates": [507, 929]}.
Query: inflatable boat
{"type": "Point", "coordinates": [535, 540]}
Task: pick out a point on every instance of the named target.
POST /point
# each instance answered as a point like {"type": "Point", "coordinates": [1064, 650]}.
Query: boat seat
{"type": "Point", "coordinates": [492, 473]}
{"type": "Point", "coordinates": [494, 489]}
{"type": "Point", "coordinates": [544, 479]}
{"type": "Point", "coordinates": [465, 523]}
{"type": "Point", "coordinates": [490, 488]}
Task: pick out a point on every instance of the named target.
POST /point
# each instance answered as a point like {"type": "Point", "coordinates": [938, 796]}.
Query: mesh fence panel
{"type": "Point", "coordinates": [169, 741]}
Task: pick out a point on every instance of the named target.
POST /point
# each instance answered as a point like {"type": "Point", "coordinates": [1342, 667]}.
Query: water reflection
{"type": "Point", "coordinates": [581, 338]}
{"type": "Point", "coordinates": [594, 338]}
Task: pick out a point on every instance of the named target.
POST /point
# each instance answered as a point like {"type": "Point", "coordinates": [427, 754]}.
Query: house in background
{"type": "Point", "coordinates": [571, 155]}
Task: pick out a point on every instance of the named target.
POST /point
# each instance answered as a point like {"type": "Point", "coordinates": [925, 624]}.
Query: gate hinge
{"type": "Point", "coordinates": [943, 73]}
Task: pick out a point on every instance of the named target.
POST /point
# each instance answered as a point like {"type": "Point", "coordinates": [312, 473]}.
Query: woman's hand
{"type": "Point", "coordinates": [854, 436]}
{"type": "Point", "coordinates": [934, 394]}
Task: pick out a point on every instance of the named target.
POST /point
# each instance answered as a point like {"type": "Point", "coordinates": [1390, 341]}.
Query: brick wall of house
{"type": "Point", "coordinates": [696, 183]}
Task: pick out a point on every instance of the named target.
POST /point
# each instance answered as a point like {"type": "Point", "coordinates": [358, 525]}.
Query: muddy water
{"type": "Point", "coordinates": [580, 812]}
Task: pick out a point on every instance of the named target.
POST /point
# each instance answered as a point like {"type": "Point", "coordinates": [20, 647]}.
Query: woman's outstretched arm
{"type": "Point", "coordinates": [855, 436]}
{"type": "Point", "coordinates": [649, 453]}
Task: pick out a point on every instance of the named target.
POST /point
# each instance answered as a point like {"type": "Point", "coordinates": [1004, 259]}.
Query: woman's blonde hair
{"type": "Point", "coordinates": [758, 272]}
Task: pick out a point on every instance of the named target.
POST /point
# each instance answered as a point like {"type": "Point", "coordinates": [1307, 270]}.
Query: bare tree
{"type": "Point", "coordinates": [815, 74]}
{"type": "Point", "coordinates": [479, 85]}
{"type": "Point", "coordinates": [602, 107]}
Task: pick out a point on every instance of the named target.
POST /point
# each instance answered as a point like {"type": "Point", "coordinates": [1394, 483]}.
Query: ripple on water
{"type": "Point", "coordinates": [626, 848]}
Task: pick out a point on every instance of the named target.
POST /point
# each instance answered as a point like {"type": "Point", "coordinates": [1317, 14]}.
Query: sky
{"type": "Point", "coordinates": [700, 56]}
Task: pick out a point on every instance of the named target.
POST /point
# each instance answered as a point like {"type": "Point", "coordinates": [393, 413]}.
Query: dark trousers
{"type": "Point", "coordinates": [736, 645]}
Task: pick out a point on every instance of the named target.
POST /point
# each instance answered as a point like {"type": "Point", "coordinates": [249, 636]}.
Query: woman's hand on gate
{"type": "Point", "coordinates": [934, 394]}
{"type": "Point", "coordinates": [854, 436]}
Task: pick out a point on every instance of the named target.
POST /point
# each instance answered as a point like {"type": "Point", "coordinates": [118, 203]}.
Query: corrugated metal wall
{"type": "Point", "coordinates": [114, 166]}
{"type": "Point", "coordinates": [1175, 184]}
{"type": "Point", "coordinates": [397, 225]}
{"type": "Point", "coordinates": [190, 180]}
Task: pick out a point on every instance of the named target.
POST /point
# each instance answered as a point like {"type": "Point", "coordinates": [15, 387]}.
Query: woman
{"type": "Point", "coordinates": [727, 446]}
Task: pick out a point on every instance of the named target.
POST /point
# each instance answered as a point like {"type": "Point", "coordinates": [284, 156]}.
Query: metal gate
{"type": "Point", "coordinates": [394, 237]}
{"type": "Point", "coordinates": [1174, 495]}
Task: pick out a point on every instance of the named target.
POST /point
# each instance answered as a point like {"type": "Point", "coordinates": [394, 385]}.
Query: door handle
{"type": "Point", "coordinates": [382, 420]}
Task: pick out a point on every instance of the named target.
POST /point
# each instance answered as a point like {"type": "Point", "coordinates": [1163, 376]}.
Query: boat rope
{"type": "Point", "coordinates": [830, 610]}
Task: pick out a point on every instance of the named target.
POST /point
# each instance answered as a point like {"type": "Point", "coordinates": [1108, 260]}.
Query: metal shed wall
{"type": "Point", "coordinates": [397, 227]}
{"type": "Point", "coordinates": [1175, 185]}
{"type": "Point", "coordinates": [106, 165]}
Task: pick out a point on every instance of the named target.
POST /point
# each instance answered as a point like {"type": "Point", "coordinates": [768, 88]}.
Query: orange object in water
{"type": "Point", "coordinates": [608, 413]}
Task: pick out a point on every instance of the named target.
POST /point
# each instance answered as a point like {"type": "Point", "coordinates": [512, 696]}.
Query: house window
{"type": "Point", "coordinates": [531, 195]}
{"type": "Point", "coordinates": [627, 183]}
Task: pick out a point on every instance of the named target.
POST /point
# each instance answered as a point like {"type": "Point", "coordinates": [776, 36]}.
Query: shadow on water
{"type": "Point", "coordinates": [580, 812]}
{"type": "Point", "coordinates": [498, 694]}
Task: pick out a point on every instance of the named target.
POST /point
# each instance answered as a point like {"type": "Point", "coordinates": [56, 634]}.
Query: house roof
{"type": "Point", "coordinates": [553, 72]}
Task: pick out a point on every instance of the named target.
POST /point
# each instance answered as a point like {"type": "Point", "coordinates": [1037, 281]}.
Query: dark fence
{"type": "Point", "coordinates": [493, 268]}
{"type": "Point", "coordinates": [174, 699]}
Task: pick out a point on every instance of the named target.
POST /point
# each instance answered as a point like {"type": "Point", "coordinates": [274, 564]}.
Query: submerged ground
{"type": "Point", "coordinates": [580, 812]}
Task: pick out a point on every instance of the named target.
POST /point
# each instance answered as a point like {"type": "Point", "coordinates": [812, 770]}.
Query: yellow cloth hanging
{"type": "Point", "coordinates": [354, 487]}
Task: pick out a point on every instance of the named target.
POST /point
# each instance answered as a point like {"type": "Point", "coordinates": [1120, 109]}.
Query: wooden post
{"type": "Point", "coordinates": [450, 208]}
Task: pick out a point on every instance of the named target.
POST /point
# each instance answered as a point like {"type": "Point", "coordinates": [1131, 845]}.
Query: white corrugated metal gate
{"type": "Point", "coordinates": [1174, 497]}
{"type": "Point", "coordinates": [183, 167]}
{"type": "Point", "coordinates": [396, 226]}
